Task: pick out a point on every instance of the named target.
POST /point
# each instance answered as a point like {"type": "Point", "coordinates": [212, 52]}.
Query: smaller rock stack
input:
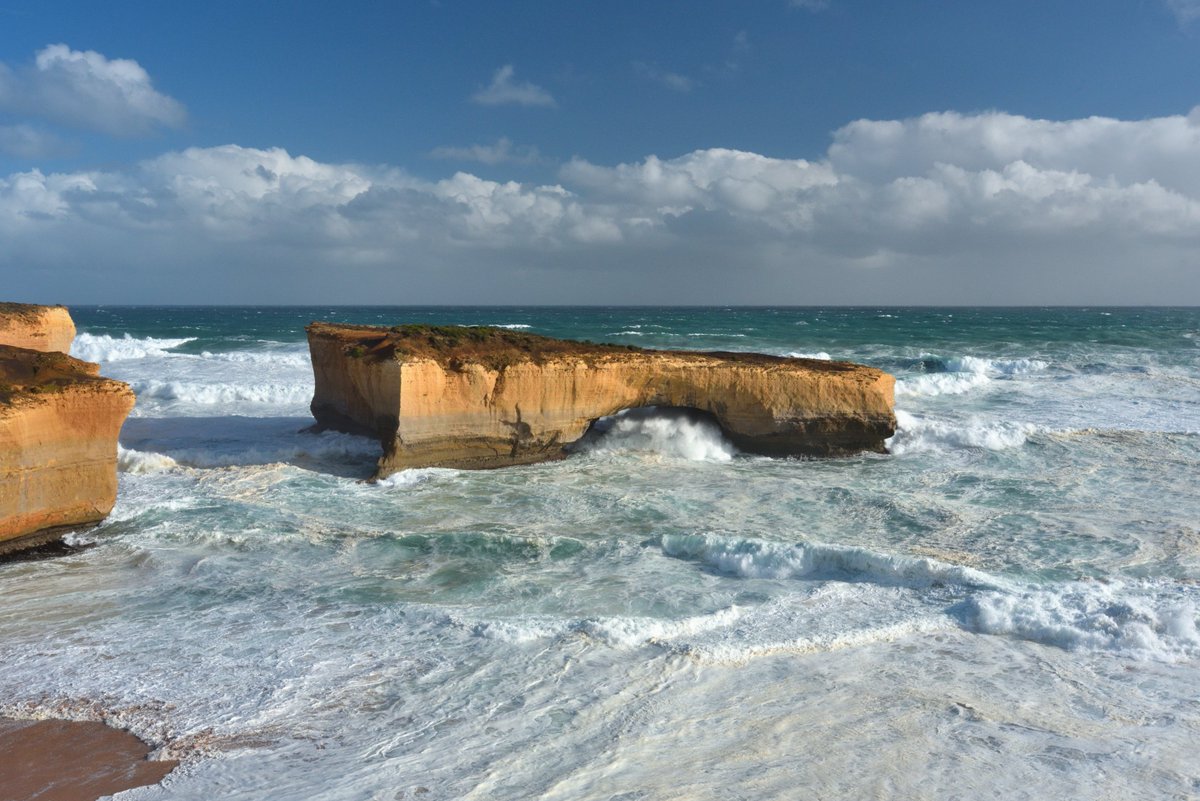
{"type": "Point", "coordinates": [59, 422]}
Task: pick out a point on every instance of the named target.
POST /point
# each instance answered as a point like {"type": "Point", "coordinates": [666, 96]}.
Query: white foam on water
{"type": "Point", "coordinates": [819, 355]}
{"type": "Point", "coordinates": [260, 357]}
{"type": "Point", "coordinates": [663, 433]}
{"type": "Point", "coordinates": [976, 364]}
{"type": "Point", "coordinates": [511, 326]}
{"type": "Point", "coordinates": [406, 479]}
{"type": "Point", "coordinates": [753, 558]}
{"type": "Point", "coordinates": [916, 434]}
{"type": "Point", "coordinates": [626, 632]}
{"type": "Point", "coordinates": [963, 374]}
{"type": "Point", "coordinates": [141, 462]}
{"type": "Point", "coordinates": [1094, 616]}
{"type": "Point", "coordinates": [615, 632]}
{"type": "Point", "coordinates": [940, 384]}
{"type": "Point", "coordinates": [103, 348]}
{"type": "Point", "coordinates": [220, 394]}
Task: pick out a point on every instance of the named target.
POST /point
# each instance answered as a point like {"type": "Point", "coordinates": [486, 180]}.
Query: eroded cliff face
{"type": "Point", "coordinates": [482, 398]}
{"type": "Point", "coordinates": [59, 421]}
{"type": "Point", "coordinates": [45, 328]}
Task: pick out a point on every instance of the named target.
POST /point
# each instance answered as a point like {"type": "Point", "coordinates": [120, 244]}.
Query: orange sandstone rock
{"type": "Point", "coordinates": [482, 398]}
{"type": "Point", "coordinates": [59, 421]}
{"type": "Point", "coordinates": [47, 328]}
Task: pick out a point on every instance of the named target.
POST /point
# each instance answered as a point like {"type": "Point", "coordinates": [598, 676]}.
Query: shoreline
{"type": "Point", "coordinates": [69, 760]}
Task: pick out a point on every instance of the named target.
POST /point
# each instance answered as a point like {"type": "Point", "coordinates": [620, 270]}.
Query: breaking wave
{"type": "Point", "coordinates": [674, 433]}
{"type": "Point", "coordinates": [208, 394]}
{"type": "Point", "coordinates": [105, 348]}
{"type": "Point", "coordinates": [917, 435]}
{"type": "Point", "coordinates": [751, 558]}
{"type": "Point", "coordinates": [1091, 616]}
{"type": "Point", "coordinates": [954, 376]}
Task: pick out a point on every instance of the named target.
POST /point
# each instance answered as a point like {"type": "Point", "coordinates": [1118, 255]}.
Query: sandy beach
{"type": "Point", "coordinates": [66, 760]}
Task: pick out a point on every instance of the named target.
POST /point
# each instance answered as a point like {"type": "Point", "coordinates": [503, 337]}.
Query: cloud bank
{"type": "Point", "coordinates": [942, 208]}
{"type": "Point", "coordinates": [86, 90]}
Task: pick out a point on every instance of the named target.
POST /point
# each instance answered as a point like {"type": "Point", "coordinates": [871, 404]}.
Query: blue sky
{"type": "Point", "coordinates": [574, 152]}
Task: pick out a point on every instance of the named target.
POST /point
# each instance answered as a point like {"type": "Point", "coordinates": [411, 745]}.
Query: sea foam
{"type": "Point", "coordinates": [916, 434]}
{"type": "Point", "coordinates": [1092, 616]}
{"type": "Point", "coordinates": [104, 348]}
{"type": "Point", "coordinates": [956, 375]}
{"type": "Point", "coordinates": [753, 558]}
{"type": "Point", "coordinates": [664, 432]}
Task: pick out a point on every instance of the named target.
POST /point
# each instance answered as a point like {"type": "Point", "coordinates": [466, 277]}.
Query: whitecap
{"type": "Point", "coordinates": [210, 394]}
{"type": "Point", "coordinates": [671, 433]}
{"type": "Point", "coordinates": [104, 348]}
{"type": "Point", "coordinates": [916, 434]}
{"type": "Point", "coordinates": [753, 558]}
{"type": "Point", "coordinates": [141, 462]}
{"type": "Point", "coordinates": [1091, 616]}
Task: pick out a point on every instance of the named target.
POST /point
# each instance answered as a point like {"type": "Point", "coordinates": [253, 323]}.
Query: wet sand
{"type": "Point", "coordinates": [64, 760]}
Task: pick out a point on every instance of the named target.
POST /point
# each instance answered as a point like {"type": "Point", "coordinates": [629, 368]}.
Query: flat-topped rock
{"type": "Point", "coordinates": [46, 328]}
{"type": "Point", "coordinates": [59, 422]}
{"type": "Point", "coordinates": [484, 397]}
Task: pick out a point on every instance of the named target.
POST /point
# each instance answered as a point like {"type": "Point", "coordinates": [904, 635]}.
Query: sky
{"type": "Point", "coordinates": [800, 152]}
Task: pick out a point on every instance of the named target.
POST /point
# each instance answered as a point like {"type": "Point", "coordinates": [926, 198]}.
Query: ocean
{"type": "Point", "coordinates": [1003, 606]}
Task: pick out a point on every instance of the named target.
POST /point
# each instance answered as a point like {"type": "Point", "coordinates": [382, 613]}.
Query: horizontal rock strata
{"type": "Point", "coordinates": [482, 398]}
{"type": "Point", "coordinates": [59, 421]}
{"type": "Point", "coordinates": [47, 328]}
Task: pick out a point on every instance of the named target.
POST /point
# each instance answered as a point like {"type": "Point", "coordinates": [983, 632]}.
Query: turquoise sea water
{"type": "Point", "coordinates": [1003, 606]}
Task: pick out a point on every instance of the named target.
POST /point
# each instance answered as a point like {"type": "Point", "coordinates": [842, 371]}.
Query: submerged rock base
{"type": "Point", "coordinates": [462, 397]}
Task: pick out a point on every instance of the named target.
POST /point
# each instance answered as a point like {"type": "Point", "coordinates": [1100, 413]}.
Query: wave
{"type": "Point", "coordinates": [142, 462]}
{"type": "Point", "coordinates": [284, 359]}
{"type": "Point", "coordinates": [919, 435]}
{"type": "Point", "coordinates": [751, 558]}
{"type": "Point", "coordinates": [820, 355]}
{"type": "Point", "coordinates": [511, 326]}
{"type": "Point", "coordinates": [207, 394]}
{"type": "Point", "coordinates": [1091, 616]}
{"type": "Point", "coordinates": [105, 348]}
{"type": "Point", "coordinates": [618, 632]}
{"type": "Point", "coordinates": [414, 476]}
{"type": "Point", "coordinates": [671, 433]}
{"type": "Point", "coordinates": [956, 375]}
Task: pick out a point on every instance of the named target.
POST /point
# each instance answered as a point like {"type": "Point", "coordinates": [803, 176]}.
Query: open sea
{"type": "Point", "coordinates": [1005, 606]}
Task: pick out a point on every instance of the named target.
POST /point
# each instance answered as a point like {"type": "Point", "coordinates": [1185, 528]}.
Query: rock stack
{"type": "Point", "coordinates": [485, 397]}
{"type": "Point", "coordinates": [59, 422]}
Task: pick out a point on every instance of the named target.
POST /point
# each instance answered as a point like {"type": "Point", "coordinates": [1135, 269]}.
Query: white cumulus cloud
{"type": "Point", "coordinates": [505, 90]}
{"type": "Point", "coordinates": [86, 90]}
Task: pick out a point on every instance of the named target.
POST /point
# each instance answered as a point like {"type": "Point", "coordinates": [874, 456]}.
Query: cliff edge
{"type": "Point", "coordinates": [46, 328]}
{"type": "Point", "coordinates": [59, 421]}
{"type": "Point", "coordinates": [483, 397]}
